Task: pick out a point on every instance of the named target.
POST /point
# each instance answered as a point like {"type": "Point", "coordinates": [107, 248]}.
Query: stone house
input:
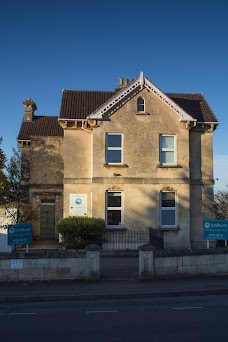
{"type": "Point", "coordinates": [136, 156]}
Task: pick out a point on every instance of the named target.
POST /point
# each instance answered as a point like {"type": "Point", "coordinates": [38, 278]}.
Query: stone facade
{"type": "Point", "coordinates": [140, 167]}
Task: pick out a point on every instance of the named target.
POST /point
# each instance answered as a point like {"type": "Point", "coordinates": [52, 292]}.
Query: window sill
{"type": "Point", "coordinates": [142, 113]}
{"type": "Point", "coordinates": [169, 166]}
{"type": "Point", "coordinates": [115, 228]}
{"type": "Point", "coordinates": [169, 228]}
{"type": "Point", "coordinates": [115, 165]}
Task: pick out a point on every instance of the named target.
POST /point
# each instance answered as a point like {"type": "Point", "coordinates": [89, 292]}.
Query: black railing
{"type": "Point", "coordinates": [116, 240]}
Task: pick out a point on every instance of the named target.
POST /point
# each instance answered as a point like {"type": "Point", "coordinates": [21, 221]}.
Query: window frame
{"type": "Point", "coordinates": [140, 104]}
{"type": "Point", "coordinates": [107, 148]}
{"type": "Point", "coordinates": [113, 208]}
{"type": "Point", "coordinates": [162, 209]}
{"type": "Point", "coordinates": [167, 149]}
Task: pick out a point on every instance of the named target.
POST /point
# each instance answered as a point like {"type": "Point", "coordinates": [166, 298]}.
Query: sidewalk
{"type": "Point", "coordinates": [110, 289]}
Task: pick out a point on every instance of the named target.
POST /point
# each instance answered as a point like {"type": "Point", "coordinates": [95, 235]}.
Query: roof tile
{"type": "Point", "coordinates": [40, 126]}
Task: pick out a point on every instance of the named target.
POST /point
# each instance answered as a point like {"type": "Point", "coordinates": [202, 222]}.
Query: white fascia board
{"type": "Point", "coordinates": [184, 116]}
{"type": "Point", "coordinates": [140, 81]}
{"type": "Point", "coordinates": [98, 113]}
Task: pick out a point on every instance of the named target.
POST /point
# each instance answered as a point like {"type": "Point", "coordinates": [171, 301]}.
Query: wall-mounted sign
{"type": "Point", "coordinates": [78, 205]}
{"type": "Point", "coordinates": [16, 264]}
{"type": "Point", "coordinates": [215, 229]}
{"type": "Point", "coordinates": [19, 234]}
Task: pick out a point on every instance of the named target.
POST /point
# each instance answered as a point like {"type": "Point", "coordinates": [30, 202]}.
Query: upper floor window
{"type": "Point", "coordinates": [167, 149]}
{"type": "Point", "coordinates": [114, 150]}
{"type": "Point", "coordinates": [140, 104]}
{"type": "Point", "coordinates": [168, 209]}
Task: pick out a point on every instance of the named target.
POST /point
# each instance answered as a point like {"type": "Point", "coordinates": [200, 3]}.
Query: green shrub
{"type": "Point", "coordinates": [79, 231]}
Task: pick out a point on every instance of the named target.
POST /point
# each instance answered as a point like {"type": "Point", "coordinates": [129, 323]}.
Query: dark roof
{"type": "Point", "coordinates": [78, 104]}
{"type": "Point", "coordinates": [195, 105]}
{"type": "Point", "coordinates": [40, 126]}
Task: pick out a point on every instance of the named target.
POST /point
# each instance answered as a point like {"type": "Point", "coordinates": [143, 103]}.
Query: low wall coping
{"type": "Point", "coordinates": [93, 247]}
{"type": "Point", "coordinates": [146, 247]}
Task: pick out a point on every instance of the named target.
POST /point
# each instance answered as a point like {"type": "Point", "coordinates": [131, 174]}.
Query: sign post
{"type": "Point", "coordinates": [215, 230]}
{"type": "Point", "coordinates": [20, 234]}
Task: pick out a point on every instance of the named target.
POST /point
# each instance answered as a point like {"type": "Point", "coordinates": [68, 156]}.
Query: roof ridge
{"type": "Point", "coordinates": [90, 91]}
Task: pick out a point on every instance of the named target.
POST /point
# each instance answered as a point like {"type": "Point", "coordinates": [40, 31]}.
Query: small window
{"type": "Point", "coordinates": [140, 105]}
{"type": "Point", "coordinates": [167, 149]}
{"type": "Point", "coordinates": [168, 209]}
{"type": "Point", "coordinates": [114, 148]}
{"type": "Point", "coordinates": [114, 208]}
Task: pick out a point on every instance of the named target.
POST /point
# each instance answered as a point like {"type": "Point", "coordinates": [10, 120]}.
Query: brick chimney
{"type": "Point", "coordinates": [30, 108]}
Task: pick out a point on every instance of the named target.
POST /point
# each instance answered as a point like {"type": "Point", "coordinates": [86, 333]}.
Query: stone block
{"type": "Point", "coordinates": [31, 274]}
{"type": "Point", "coordinates": [187, 271]}
{"type": "Point", "coordinates": [146, 264]}
{"type": "Point", "coordinates": [187, 260]}
{"type": "Point", "coordinates": [166, 261]}
{"type": "Point", "coordinates": [218, 259]}
{"type": "Point", "coordinates": [5, 264]}
{"type": "Point", "coordinates": [65, 262]}
{"type": "Point", "coordinates": [6, 275]}
{"type": "Point", "coordinates": [206, 269]}
{"type": "Point", "coordinates": [165, 271]}
{"type": "Point", "coordinates": [201, 259]}
{"type": "Point", "coordinates": [53, 262]}
{"type": "Point", "coordinates": [57, 273]}
{"type": "Point", "coordinates": [93, 264]}
{"type": "Point", "coordinates": [41, 263]}
{"type": "Point", "coordinates": [78, 272]}
{"type": "Point", "coordinates": [179, 261]}
{"type": "Point", "coordinates": [221, 268]}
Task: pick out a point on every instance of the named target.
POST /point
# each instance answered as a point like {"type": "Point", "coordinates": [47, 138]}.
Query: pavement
{"type": "Point", "coordinates": [75, 290]}
{"type": "Point", "coordinates": [120, 281]}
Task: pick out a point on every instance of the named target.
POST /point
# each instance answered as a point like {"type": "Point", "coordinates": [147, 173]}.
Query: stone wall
{"type": "Point", "coordinates": [154, 264]}
{"type": "Point", "coordinates": [51, 266]}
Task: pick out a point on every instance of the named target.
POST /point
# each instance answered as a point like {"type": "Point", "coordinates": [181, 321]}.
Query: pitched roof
{"type": "Point", "coordinates": [40, 126]}
{"type": "Point", "coordinates": [195, 105]}
{"type": "Point", "coordinates": [77, 104]}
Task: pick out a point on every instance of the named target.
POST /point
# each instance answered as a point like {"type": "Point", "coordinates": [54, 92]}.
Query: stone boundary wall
{"type": "Point", "coordinates": [51, 266]}
{"type": "Point", "coordinates": [190, 266]}
{"type": "Point", "coordinates": [188, 263]}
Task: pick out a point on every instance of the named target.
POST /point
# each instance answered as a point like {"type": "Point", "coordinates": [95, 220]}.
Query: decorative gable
{"type": "Point", "coordinates": [140, 82]}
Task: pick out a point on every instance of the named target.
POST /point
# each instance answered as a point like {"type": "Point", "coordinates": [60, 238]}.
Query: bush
{"type": "Point", "coordinates": [79, 231]}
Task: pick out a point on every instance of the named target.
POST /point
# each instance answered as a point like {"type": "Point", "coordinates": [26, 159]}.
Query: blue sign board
{"type": "Point", "coordinates": [19, 234]}
{"type": "Point", "coordinates": [215, 229]}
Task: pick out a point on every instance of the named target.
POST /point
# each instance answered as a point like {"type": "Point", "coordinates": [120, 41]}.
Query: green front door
{"type": "Point", "coordinates": [47, 221]}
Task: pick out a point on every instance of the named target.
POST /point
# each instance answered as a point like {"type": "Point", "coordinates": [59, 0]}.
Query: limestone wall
{"type": "Point", "coordinates": [50, 267]}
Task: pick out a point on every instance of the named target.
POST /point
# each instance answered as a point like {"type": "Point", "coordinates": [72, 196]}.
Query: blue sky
{"type": "Point", "coordinates": [47, 46]}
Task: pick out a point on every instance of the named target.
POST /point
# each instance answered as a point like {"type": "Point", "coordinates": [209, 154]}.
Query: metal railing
{"type": "Point", "coordinates": [116, 240]}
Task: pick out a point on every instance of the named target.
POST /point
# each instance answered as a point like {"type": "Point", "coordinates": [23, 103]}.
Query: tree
{"type": "Point", "coordinates": [18, 196]}
{"type": "Point", "coordinates": [221, 204]}
{"type": "Point", "coordinates": [4, 183]}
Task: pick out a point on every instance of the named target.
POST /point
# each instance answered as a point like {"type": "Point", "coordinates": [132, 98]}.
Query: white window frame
{"type": "Point", "coordinates": [140, 111]}
{"type": "Point", "coordinates": [114, 149]}
{"type": "Point", "coordinates": [166, 149]}
{"type": "Point", "coordinates": [168, 208]}
{"type": "Point", "coordinates": [113, 208]}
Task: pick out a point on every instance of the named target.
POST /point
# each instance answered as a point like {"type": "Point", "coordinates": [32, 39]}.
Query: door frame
{"type": "Point", "coordinates": [50, 204]}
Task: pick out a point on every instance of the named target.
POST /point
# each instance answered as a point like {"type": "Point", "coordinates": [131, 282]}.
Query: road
{"type": "Point", "coordinates": [177, 319]}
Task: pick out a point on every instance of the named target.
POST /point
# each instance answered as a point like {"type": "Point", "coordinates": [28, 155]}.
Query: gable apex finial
{"type": "Point", "coordinates": [141, 77]}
